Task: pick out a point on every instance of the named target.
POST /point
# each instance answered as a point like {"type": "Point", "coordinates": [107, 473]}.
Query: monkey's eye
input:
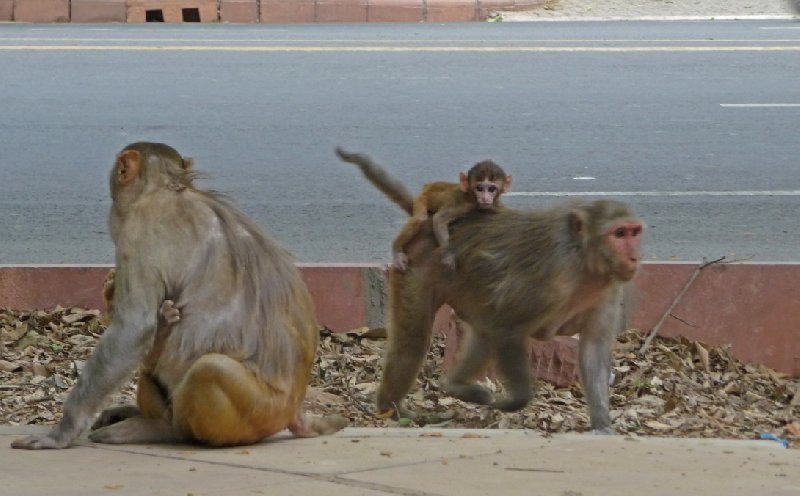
{"type": "Point", "coordinates": [619, 232]}
{"type": "Point", "coordinates": [492, 189]}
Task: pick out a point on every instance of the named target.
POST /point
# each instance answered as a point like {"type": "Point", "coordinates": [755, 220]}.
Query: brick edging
{"type": "Point", "coordinates": [753, 307]}
{"type": "Point", "coordinates": [252, 11]}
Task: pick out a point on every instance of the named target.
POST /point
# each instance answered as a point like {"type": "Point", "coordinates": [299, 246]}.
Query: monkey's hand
{"type": "Point", "coordinates": [400, 261]}
{"type": "Point", "coordinates": [169, 312]}
{"type": "Point", "coordinates": [51, 441]}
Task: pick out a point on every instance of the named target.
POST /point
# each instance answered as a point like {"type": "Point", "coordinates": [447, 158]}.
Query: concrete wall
{"type": "Point", "coordinates": [267, 11]}
{"type": "Point", "coordinates": [754, 307]}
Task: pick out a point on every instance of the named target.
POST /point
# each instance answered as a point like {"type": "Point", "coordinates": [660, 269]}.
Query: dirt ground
{"type": "Point", "coordinates": [677, 389]}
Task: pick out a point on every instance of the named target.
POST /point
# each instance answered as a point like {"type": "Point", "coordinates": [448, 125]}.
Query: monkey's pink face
{"type": "Point", "coordinates": [486, 193]}
{"type": "Point", "coordinates": [624, 239]}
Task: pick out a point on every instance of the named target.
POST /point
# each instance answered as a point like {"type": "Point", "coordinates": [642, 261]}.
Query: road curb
{"type": "Point", "coordinates": [252, 11]}
{"type": "Point", "coordinates": [753, 307]}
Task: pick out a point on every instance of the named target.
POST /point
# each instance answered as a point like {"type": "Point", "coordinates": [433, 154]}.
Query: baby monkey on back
{"type": "Point", "coordinates": [480, 188]}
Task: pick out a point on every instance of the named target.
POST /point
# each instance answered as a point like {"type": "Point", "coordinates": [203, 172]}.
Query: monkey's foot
{"type": "Point", "coordinates": [400, 261]}
{"type": "Point", "coordinates": [137, 430]}
{"type": "Point", "coordinates": [510, 404]}
{"type": "Point", "coordinates": [396, 412]}
{"type": "Point", "coordinates": [303, 426]}
{"type": "Point", "coordinates": [472, 393]}
{"type": "Point", "coordinates": [113, 415]}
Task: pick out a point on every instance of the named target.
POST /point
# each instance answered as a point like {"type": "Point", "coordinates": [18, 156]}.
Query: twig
{"type": "Point", "coordinates": [677, 299]}
{"type": "Point", "coordinates": [682, 320]}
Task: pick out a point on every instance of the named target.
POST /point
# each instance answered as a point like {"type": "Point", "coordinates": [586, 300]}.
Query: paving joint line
{"type": "Point", "coordinates": [334, 478]}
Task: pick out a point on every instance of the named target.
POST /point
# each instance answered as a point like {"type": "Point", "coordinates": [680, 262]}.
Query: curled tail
{"type": "Point", "coordinates": [378, 176]}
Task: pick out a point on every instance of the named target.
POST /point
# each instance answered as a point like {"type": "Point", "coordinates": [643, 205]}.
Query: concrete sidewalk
{"type": "Point", "coordinates": [409, 461]}
{"type": "Point", "coordinates": [584, 10]}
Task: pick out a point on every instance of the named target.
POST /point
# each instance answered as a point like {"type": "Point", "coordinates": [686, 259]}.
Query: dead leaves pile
{"type": "Point", "coordinates": [678, 388]}
{"type": "Point", "coordinates": [41, 355]}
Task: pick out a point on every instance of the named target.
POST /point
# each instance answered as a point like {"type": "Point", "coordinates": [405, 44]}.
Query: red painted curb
{"type": "Point", "coordinates": [97, 11]}
{"type": "Point", "coordinates": [753, 307]}
{"type": "Point", "coordinates": [41, 10]}
{"type": "Point", "coordinates": [172, 11]}
{"type": "Point", "coordinates": [346, 296]}
{"type": "Point", "coordinates": [6, 10]}
{"type": "Point", "coordinates": [238, 11]}
{"type": "Point", "coordinates": [271, 11]}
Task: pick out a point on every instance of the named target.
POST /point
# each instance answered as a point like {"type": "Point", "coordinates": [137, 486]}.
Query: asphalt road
{"type": "Point", "coordinates": [695, 124]}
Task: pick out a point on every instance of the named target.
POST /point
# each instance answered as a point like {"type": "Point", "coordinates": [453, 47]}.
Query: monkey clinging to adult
{"type": "Point", "coordinates": [537, 273]}
{"type": "Point", "coordinates": [480, 188]}
{"type": "Point", "coordinates": [233, 368]}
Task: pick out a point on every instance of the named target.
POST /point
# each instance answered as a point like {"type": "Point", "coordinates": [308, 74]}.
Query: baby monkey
{"type": "Point", "coordinates": [479, 189]}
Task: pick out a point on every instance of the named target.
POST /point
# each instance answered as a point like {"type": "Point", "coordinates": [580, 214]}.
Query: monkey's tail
{"type": "Point", "coordinates": [378, 176]}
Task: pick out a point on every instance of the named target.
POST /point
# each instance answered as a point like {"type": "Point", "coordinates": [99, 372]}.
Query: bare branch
{"type": "Point", "coordinates": [675, 302]}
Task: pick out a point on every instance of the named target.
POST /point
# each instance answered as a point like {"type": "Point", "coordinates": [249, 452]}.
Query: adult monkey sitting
{"type": "Point", "coordinates": [234, 368]}
{"type": "Point", "coordinates": [537, 273]}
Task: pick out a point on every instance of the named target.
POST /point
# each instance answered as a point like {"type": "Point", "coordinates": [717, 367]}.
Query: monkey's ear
{"type": "Point", "coordinates": [463, 182]}
{"type": "Point", "coordinates": [187, 163]}
{"type": "Point", "coordinates": [507, 184]}
{"type": "Point", "coordinates": [577, 225]}
{"type": "Point", "coordinates": [127, 168]}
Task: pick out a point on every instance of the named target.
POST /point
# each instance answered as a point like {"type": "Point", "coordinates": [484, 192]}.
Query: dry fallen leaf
{"type": "Point", "coordinates": [674, 390]}
{"type": "Point", "coordinates": [704, 359]}
{"type": "Point", "coordinates": [9, 366]}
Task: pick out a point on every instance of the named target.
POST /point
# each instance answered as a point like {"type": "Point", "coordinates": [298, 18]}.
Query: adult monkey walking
{"type": "Point", "coordinates": [537, 273]}
{"type": "Point", "coordinates": [234, 368]}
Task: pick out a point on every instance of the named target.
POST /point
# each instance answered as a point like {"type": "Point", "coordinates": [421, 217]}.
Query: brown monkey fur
{"type": "Point", "coordinates": [480, 188]}
{"type": "Point", "coordinates": [234, 368]}
{"type": "Point", "coordinates": [537, 273]}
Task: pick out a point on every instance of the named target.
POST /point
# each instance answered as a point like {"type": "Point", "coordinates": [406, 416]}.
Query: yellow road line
{"type": "Point", "coordinates": [192, 48]}
{"type": "Point", "coordinates": [396, 41]}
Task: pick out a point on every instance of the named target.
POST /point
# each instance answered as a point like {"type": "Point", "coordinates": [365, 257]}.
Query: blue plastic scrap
{"type": "Point", "coordinates": [772, 437]}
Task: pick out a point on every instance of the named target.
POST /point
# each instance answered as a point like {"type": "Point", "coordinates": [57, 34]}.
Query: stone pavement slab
{"type": "Point", "coordinates": [409, 461]}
